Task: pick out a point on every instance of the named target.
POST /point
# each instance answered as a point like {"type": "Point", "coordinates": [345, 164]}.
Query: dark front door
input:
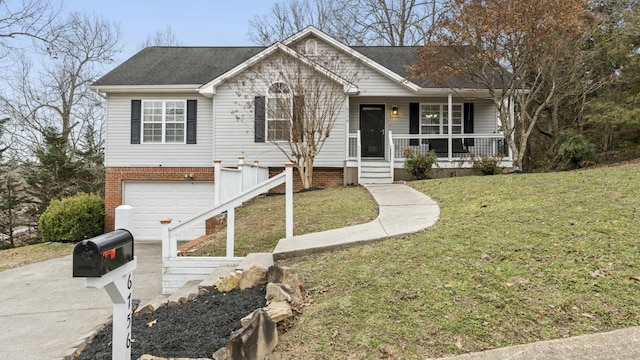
{"type": "Point", "coordinates": [372, 130]}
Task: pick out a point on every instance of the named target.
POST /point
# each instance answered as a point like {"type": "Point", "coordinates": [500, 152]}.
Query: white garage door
{"type": "Point", "coordinates": [154, 200]}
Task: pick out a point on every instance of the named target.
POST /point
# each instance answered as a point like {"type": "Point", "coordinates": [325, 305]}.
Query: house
{"type": "Point", "coordinates": [172, 110]}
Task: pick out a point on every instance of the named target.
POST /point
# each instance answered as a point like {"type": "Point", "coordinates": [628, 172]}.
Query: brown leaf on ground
{"type": "Point", "coordinates": [151, 323]}
{"type": "Point", "coordinates": [459, 343]}
{"type": "Point", "coordinates": [634, 278]}
{"type": "Point", "coordinates": [386, 352]}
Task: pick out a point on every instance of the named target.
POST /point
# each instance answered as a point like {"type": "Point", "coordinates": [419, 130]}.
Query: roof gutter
{"type": "Point", "coordinates": [119, 89]}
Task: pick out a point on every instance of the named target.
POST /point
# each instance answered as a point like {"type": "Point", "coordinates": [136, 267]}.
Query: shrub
{"type": "Point", "coordinates": [488, 165]}
{"type": "Point", "coordinates": [418, 164]}
{"type": "Point", "coordinates": [573, 150]}
{"type": "Point", "coordinates": [73, 218]}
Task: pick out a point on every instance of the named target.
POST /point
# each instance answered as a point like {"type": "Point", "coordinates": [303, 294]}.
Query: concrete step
{"type": "Point", "coordinates": [374, 174]}
{"type": "Point", "coordinates": [376, 180]}
{"type": "Point", "coordinates": [375, 169]}
{"type": "Point", "coordinates": [264, 260]}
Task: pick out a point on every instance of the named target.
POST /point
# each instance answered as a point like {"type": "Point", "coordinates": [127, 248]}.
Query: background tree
{"type": "Point", "coordinates": [12, 203]}
{"type": "Point", "coordinates": [26, 19]}
{"type": "Point", "coordinates": [305, 96]}
{"type": "Point", "coordinates": [507, 46]}
{"type": "Point", "coordinates": [354, 22]}
{"type": "Point", "coordinates": [166, 37]}
{"type": "Point", "coordinates": [614, 113]}
{"type": "Point", "coordinates": [56, 119]}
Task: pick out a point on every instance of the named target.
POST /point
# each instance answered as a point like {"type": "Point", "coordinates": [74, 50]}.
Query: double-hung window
{"type": "Point", "coordinates": [434, 119]}
{"type": "Point", "coordinates": [164, 121]}
{"type": "Point", "coordinates": [279, 112]}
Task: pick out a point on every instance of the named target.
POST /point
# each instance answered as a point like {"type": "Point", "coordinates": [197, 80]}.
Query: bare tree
{"type": "Point", "coordinates": [304, 99]}
{"type": "Point", "coordinates": [354, 22]}
{"type": "Point", "coordinates": [514, 48]}
{"type": "Point", "coordinates": [26, 19]}
{"type": "Point", "coordinates": [56, 94]}
{"type": "Point", "coordinates": [164, 37]}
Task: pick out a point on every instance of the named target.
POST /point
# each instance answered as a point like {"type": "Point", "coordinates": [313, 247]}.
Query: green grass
{"type": "Point", "coordinates": [513, 259]}
{"type": "Point", "coordinates": [261, 222]}
{"type": "Point", "coordinates": [25, 255]}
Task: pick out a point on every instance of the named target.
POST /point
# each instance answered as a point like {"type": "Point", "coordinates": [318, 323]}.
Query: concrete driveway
{"type": "Point", "coordinates": [45, 313]}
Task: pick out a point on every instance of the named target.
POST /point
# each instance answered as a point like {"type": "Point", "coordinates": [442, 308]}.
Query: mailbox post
{"type": "Point", "coordinates": [107, 261]}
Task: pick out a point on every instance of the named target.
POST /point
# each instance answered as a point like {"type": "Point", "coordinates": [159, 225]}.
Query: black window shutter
{"type": "Point", "coordinates": [192, 117]}
{"type": "Point", "coordinates": [298, 119]}
{"type": "Point", "coordinates": [136, 111]}
{"type": "Point", "coordinates": [468, 123]}
{"type": "Point", "coordinates": [414, 122]}
{"type": "Point", "coordinates": [259, 119]}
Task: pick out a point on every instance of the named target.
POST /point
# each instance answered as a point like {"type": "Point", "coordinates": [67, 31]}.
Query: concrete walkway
{"type": "Point", "coordinates": [45, 313]}
{"type": "Point", "coordinates": [402, 210]}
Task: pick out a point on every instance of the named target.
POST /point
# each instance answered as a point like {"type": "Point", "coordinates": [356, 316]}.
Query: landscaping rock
{"type": "Point", "coordinates": [209, 283]}
{"type": "Point", "coordinates": [254, 341]}
{"type": "Point", "coordinates": [254, 276]}
{"type": "Point", "coordinates": [278, 292]}
{"type": "Point", "coordinates": [151, 357]}
{"type": "Point", "coordinates": [228, 283]}
{"type": "Point", "coordinates": [221, 354]}
{"type": "Point", "coordinates": [152, 305]}
{"type": "Point", "coordinates": [187, 292]}
{"type": "Point", "coordinates": [289, 276]}
{"type": "Point", "coordinates": [277, 311]}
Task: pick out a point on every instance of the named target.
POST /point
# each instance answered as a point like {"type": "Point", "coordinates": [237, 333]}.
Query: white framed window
{"type": "Point", "coordinates": [311, 47]}
{"type": "Point", "coordinates": [278, 115]}
{"type": "Point", "coordinates": [434, 119]}
{"type": "Point", "coordinates": [164, 121]}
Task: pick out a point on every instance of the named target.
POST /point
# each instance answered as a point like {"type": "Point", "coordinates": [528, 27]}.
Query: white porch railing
{"type": "Point", "coordinates": [448, 147]}
{"type": "Point", "coordinates": [229, 182]}
{"type": "Point", "coordinates": [178, 270]}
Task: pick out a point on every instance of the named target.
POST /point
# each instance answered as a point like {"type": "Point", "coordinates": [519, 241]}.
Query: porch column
{"type": "Point", "coordinates": [346, 127]}
{"type": "Point", "coordinates": [450, 117]}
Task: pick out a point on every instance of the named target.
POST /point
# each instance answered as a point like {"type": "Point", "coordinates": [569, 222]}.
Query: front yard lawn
{"type": "Point", "coordinates": [513, 259]}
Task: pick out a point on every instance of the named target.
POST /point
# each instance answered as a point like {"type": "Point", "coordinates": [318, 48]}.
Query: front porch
{"type": "Point", "coordinates": [454, 151]}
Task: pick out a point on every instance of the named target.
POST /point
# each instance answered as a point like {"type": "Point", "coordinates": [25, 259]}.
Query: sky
{"type": "Point", "coordinates": [195, 22]}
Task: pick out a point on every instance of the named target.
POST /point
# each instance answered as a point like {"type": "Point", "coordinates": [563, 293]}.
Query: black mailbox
{"type": "Point", "coordinates": [97, 256]}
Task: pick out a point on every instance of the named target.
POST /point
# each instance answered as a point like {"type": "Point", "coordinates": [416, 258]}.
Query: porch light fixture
{"type": "Point", "coordinates": [394, 110]}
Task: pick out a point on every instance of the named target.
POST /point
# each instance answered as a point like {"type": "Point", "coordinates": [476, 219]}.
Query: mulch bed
{"type": "Point", "coordinates": [194, 330]}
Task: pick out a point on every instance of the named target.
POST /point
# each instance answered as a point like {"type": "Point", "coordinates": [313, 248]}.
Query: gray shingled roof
{"type": "Point", "coordinates": [160, 65]}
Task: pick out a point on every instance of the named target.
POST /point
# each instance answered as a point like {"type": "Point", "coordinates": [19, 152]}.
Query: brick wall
{"type": "Point", "coordinates": [114, 176]}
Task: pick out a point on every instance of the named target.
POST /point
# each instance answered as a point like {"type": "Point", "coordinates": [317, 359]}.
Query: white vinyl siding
{"type": "Point", "coordinates": [234, 134]}
{"type": "Point", "coordinates": [484, 119]}
{"type": "Point", "coordinates": [120, 152]}
{"type": "Point", "coordinates": [370, 82]}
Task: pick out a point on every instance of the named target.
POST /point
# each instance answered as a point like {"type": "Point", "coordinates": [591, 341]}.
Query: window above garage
{"type": "Point", "coordinates": [163, 121]}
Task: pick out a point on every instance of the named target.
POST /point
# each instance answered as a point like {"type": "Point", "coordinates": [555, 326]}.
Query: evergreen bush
{"type": "Point", "coordinates": [73, 219]}
{"type": "Point", "coordinates": [573, 150]}
{"type": "Point", "coordinates": [488, 165]}
{"type": "Point", "coordinates": [418, 164]}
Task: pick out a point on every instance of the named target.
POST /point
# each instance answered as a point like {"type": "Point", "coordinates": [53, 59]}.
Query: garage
{"type": "Point", "coordinates": [154, 200]}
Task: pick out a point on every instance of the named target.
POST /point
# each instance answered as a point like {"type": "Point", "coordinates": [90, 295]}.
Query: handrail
{"type": "Point", "coordinates": [234, 201]}
{"type": "Point", "coordinates": [391, 154]}
{"type": "Point", "coordinates": [359, 154]}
